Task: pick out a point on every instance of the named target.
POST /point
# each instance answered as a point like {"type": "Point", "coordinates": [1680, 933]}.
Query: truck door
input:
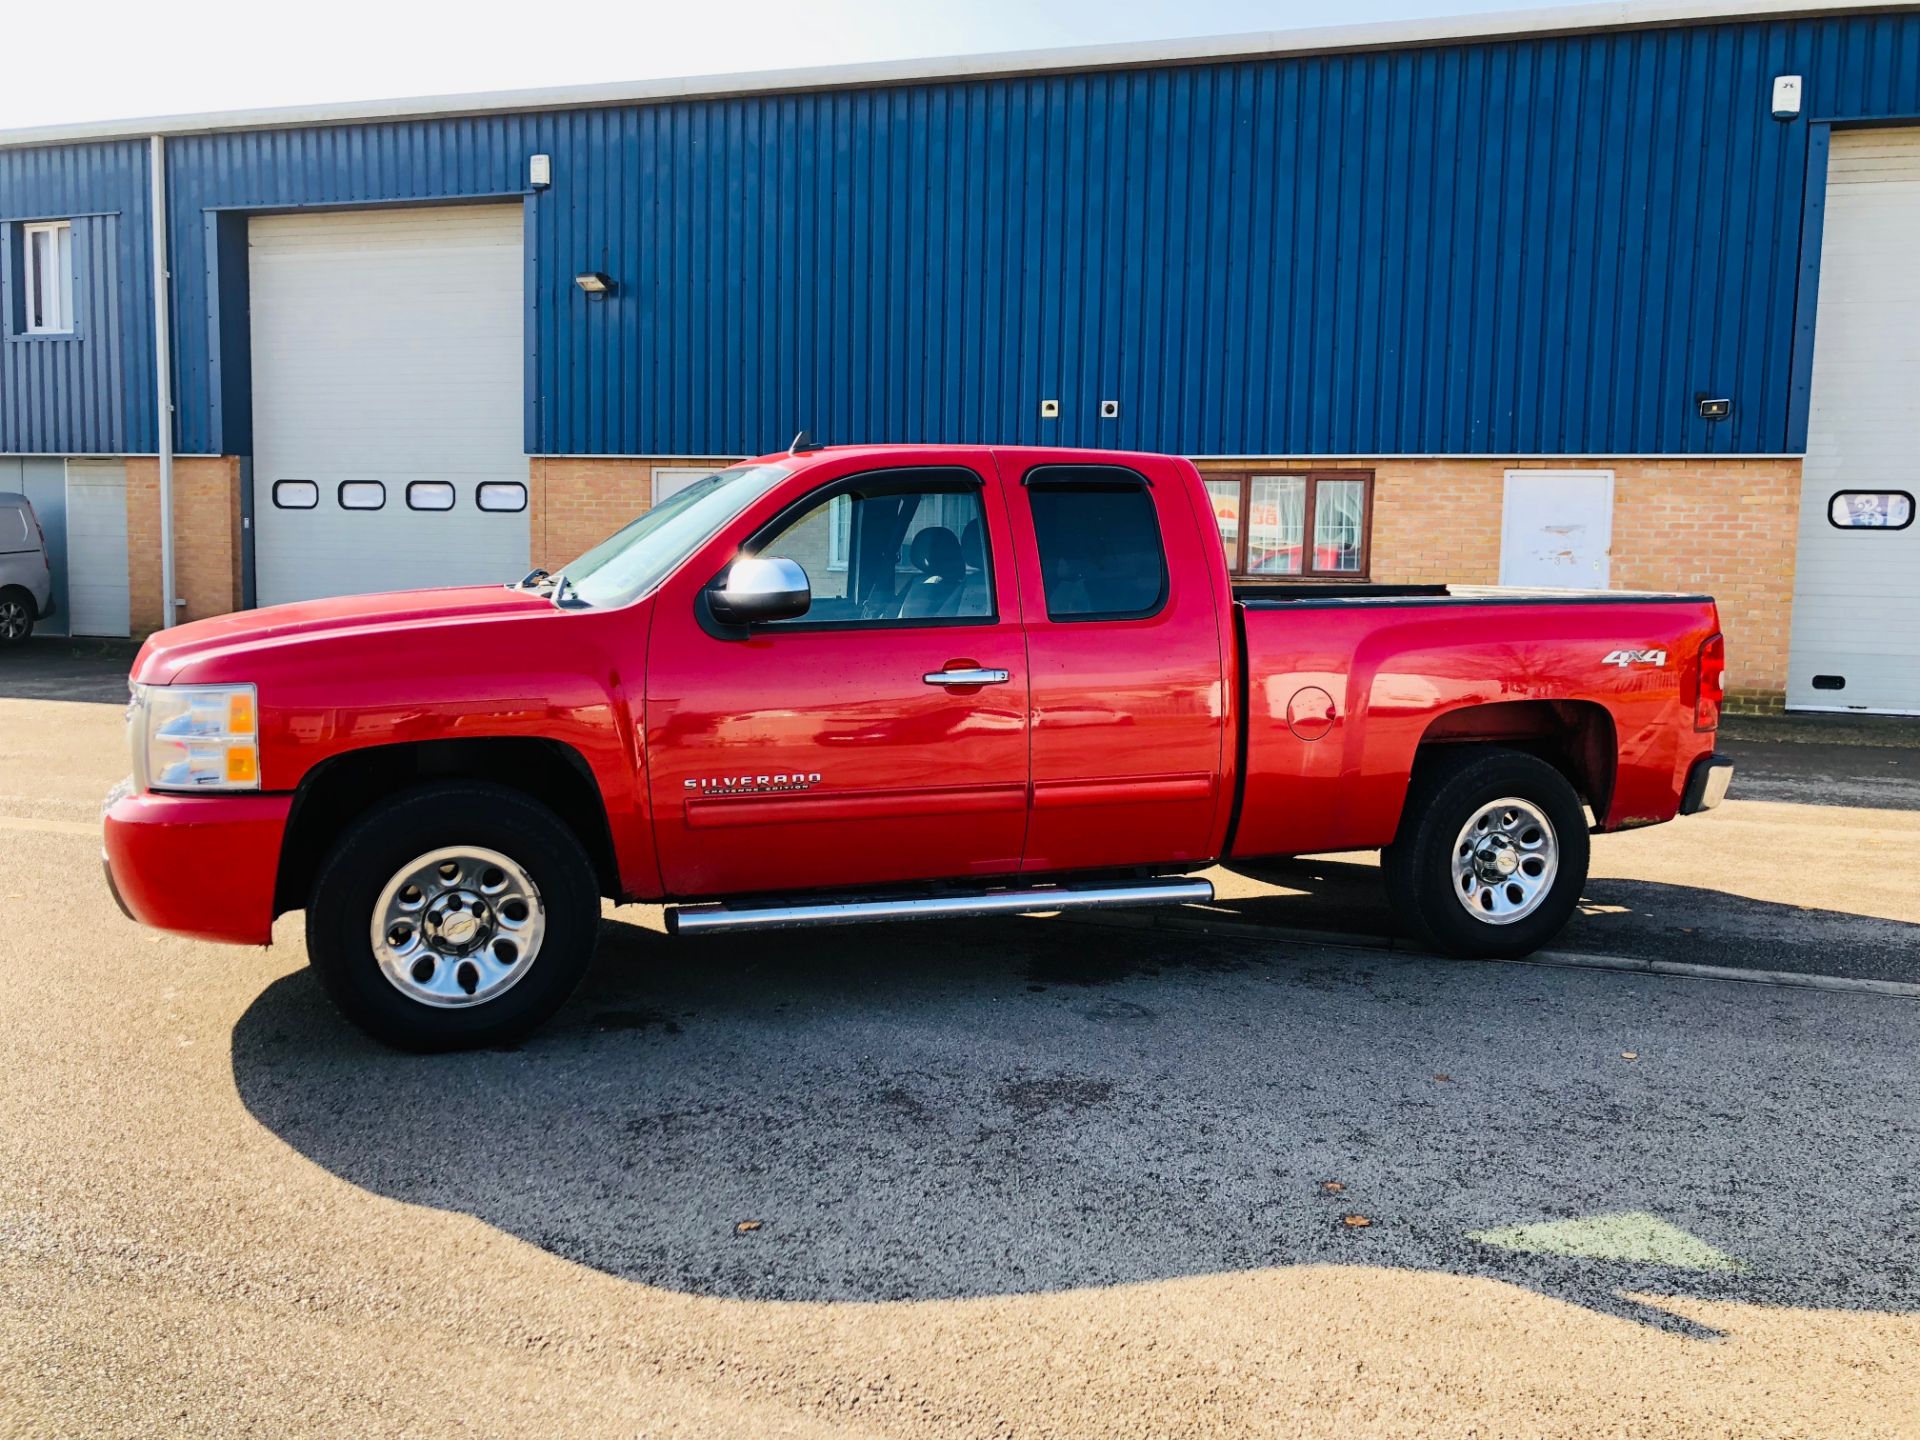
{"type": "Point", "coordinates": [880, 737]}
{"type": "Point", "coordinates": [1124, 639]}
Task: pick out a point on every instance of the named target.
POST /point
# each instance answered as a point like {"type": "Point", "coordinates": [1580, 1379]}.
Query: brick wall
{"type": "Point", "coordinates": [206, 536]}
{"type": "Point", "coordinates": [1726, 527]}
{"type": "Point", "coordinates": [574, 503]}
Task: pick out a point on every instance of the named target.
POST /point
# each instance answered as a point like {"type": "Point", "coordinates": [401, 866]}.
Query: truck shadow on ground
{"type": "Point", "coordinates": [1637, 918]}
{"type": "Point", "coordinates": [1038, 1105]}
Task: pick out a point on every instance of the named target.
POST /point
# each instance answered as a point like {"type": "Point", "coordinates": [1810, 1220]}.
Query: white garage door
{"type": "Point", "coordinates": [1856, 596]}
{"type": "Point", "coordinates": [387, 400]}
{"type": "Point", "coordinates": [97, 601]}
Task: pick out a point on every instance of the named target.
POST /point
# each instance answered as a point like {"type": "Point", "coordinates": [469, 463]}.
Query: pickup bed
{"type": "Point", "coordinates": [882, 682]}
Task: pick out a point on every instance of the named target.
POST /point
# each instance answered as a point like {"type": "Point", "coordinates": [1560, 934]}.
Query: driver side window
{"type": "Point", "coordinates": [892, 548]}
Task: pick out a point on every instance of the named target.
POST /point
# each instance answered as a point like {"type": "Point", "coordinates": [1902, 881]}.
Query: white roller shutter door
{"type": "Point", "coordinates": [387, 367]}
{"type": "Point", "coordinates": [1856, 603]}
{"type": "Point", "coordinates": [97, 582]}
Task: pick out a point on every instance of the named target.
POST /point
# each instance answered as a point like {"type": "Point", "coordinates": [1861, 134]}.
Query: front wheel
{"type": "Point", "coordinates": [452, 916]}
{"type": "Point", "coordinates": [1491, 856]}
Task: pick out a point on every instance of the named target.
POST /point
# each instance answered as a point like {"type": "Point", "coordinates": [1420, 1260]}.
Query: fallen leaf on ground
{"type": "Point", "coordinates": [746, 1225]}
{"type": "Point", "coordinates": [1355, 1222]}
{"type": "Point", "coordinates": [1629, 1054]}
{"type": "Point", "coordinates": [1332, 1187]}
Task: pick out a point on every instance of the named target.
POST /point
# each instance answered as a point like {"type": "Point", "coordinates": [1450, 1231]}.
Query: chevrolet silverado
{"type": "Point", "coordinates": [882, 682]}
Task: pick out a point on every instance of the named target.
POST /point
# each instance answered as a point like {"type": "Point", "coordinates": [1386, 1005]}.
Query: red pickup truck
{"type": "Point", "coordinates": [880, 683]}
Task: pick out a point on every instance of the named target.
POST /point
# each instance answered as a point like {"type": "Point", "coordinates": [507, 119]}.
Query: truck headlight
{"type": "Point", "coordinates": [195, 737]}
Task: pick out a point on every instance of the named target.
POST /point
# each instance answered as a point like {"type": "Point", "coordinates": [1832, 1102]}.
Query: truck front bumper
{"type": "Point", "coordinates": [1707, 784]}
{"type": "Point", "coordinates": [199, 865]}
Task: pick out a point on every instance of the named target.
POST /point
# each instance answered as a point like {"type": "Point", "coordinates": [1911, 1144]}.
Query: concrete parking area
{"type": "Point", "coordinates": [1038, 1177]}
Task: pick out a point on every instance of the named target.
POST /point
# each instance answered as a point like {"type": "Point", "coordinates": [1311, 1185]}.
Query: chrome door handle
{"type": "Point", "coordinates": [965, 677]}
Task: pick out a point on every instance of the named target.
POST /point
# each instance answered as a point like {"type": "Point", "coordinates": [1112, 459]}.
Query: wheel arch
{"type": "Point", "coordinates": [339, 789]}
{"type": "Point", "coordinates": [1576, 737]}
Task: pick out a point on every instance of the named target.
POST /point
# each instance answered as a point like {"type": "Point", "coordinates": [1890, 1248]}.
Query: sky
{"type": "Point", "coordinates": [112, 59]}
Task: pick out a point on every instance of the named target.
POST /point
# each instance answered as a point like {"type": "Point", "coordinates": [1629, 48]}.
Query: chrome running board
{"type": "Point", "coordinates": [710, 919]}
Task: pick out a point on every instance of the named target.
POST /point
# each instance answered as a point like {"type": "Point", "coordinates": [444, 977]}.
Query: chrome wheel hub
{"type": "Point", "coordinates": [1504, 861]}
{"type": "Point", "coordinates": [13, 619]}
{"type": "Point", "coordinates": [457, 927]}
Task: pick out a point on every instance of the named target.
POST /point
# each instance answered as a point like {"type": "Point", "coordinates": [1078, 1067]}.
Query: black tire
{"type": "Point", "coordinates": [16, 616]}
{"type": "Point", "coordinates": [1452, 789]}
{"type": "Point", "coordinates": [371, 853]}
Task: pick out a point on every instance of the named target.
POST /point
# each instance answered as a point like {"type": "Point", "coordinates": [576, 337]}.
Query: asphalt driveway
{"type": "Point", "coordinates": [1038, 1177]}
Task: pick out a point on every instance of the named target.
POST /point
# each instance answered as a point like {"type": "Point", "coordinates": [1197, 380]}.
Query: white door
{"type": "Point", "coordinates": [97, 599]}
{"type": "Point", "coordinates": [1856, 591]}
{"type": "Point", "coordinates": [1556, 529]}
{"type": "Point", "coordinates": [387, 400]}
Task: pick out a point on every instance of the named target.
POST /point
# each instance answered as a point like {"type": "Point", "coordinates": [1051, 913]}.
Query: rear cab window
{"type": "Point", "coordinates": [1101, 553]}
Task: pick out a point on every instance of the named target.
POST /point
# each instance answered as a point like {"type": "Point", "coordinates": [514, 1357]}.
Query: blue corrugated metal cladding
{"type": "Point", "coordinates": [90, 391]}
{"type": "Point", "coordinates": [1541, 246]}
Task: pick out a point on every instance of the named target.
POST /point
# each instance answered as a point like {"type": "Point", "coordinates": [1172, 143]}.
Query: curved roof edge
{"type": "Point", "coordinates": [1378, 35]}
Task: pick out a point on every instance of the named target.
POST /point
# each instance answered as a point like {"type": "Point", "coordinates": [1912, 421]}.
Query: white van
{"type": "Point", "coordinates": [26, 580]}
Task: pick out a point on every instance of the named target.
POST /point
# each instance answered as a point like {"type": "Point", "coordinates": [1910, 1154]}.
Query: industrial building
{"type": "Point", "coordinates": [1621, 295]}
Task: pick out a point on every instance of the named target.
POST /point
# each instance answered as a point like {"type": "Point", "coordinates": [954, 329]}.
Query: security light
{"type": "Point", "coordinates": [1786, 96]}
{"type": "Point", "coordinates": [594, 283]}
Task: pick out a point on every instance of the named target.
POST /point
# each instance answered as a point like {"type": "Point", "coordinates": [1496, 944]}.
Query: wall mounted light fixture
{"type": "Point", "coordinates": [1786, 96]}
{"type": "Point", "coordinates": [597, 285]}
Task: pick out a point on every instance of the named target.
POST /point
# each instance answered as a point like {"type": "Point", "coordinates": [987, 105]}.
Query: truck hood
{"type": "Point", "coordinates": [168, 652]}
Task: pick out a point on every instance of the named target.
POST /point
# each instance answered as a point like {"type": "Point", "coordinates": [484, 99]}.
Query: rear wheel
{"type": "Point", "coordinates": [1491, 856]}
{"type": "Point", "coordinates": [453, 915]}
{"type": "Point", "coordinates": [16, 616]}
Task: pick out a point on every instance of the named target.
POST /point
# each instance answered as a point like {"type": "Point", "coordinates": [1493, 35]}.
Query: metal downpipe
{"type": "Point", "coordinates": [162, 369]}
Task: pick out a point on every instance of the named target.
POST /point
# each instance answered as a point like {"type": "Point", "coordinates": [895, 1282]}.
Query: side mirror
{"type": "Point", "coordinates": [756, 590]}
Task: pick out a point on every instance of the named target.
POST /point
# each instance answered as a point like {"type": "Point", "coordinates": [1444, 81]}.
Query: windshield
{"type": "Point", "coordinates": [631, 561]}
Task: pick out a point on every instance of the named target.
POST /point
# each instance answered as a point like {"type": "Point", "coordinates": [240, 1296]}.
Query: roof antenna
{"type": "Point", "coordinates": [802, 443]}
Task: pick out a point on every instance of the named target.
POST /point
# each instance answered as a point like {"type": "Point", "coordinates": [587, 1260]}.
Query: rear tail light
{"type": "Point", "coordinates": [1710, 683]}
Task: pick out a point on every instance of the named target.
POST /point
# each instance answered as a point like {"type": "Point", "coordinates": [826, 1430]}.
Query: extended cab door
{"type": "Point", "coordinates": [880, 737]}
{"type": "Point", "coordinates": [1124, 637]}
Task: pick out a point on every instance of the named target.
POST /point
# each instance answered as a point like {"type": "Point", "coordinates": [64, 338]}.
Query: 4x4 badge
{"type": "Point", "coordinates": [1624, 658]}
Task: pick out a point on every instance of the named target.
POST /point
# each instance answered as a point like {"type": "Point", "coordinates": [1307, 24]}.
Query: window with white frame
{"type": "Point", "coordinates": [47, 264]}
